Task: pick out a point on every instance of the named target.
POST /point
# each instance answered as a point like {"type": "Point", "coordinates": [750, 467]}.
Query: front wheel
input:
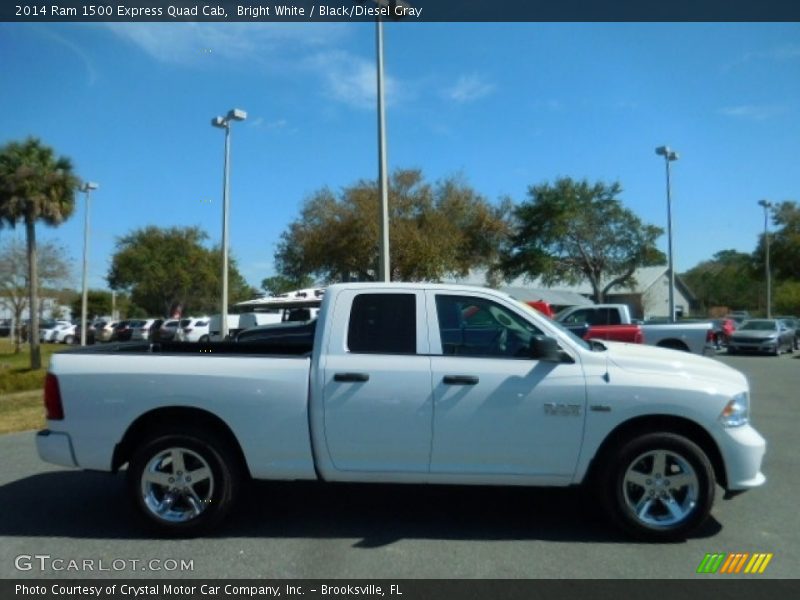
{"type": "Point", "coordinates": [183, 483]}
{"type": "Point", "coordinates": [658, 487]}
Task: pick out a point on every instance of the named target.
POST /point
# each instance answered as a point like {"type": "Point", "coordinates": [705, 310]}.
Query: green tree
{"type": "Point", "coordinates": [729, 279]}
{"type": "Point", "coordinates": [162, 267]}
{"type": "Point", "coordinates": [787, 298]}
{"type": "Point", "coordinates": [280, 284]}
{"type": "Point", "coordinates": [53, 270]}
{"type": "Point", "coordinates": [35, 185]}
{"type": "Point", "coordinates": [435, 230]}
{"type": "Point", "coordinates": [98, 302]}
{"type": "Point", "coordinates": [784, 242]}
{"type": "Point", "coordinates": [574, 231]}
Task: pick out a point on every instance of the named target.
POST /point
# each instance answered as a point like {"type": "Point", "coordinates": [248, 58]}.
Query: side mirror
{"type": "Point", "coordinates": [545, 348]}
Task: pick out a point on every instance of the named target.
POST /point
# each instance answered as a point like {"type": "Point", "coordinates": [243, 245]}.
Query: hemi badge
{"type": "Point", "coordinates": [600, 408]}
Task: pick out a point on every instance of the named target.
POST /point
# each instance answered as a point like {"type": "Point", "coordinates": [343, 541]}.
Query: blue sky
{"type": "Point", "coordinates": [502, 105]}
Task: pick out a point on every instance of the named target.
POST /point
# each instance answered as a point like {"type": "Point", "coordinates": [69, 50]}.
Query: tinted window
{"type": "Point", "coordinates": [383, 323]}
{"type": "Point", "coordinates": [185, 322]}
{"type": "Point", "coordinates": [478, 327]}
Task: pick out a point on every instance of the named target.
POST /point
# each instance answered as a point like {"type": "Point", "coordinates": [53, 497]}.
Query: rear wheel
{"type": "Point", "coordinates": [69, 339]}
{"type": "Point", "coordinates": [658, 487]}
{"type": "Point", "coordinates": [204, 339]}
{"type": "Point", "coordinates": [183, 483]}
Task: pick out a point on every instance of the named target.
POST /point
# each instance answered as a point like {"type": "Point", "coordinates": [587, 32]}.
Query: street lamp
{"type": "Point", "coordinates": [86, 188]}
{"type": "Point", "coordinates": [669, 156]}
{"type": "Point", "coordinates": [234, 114]}
{"type": "Point", "coordinates": [766, 206]}
{"type": "Point", "coordinates": [384, 268]}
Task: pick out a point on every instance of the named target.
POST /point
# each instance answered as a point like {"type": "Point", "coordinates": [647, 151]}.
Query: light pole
{"type": "Point", "coordinates": [234, 114]}
{"type": "Point", "coordinates": [86, 188]}
{"type": "Point", "coordinates": [669, 156]}
{"type": "Point", "coordinates": [384, 266]}
{"type": "Point", "coordinates": [766, 206]}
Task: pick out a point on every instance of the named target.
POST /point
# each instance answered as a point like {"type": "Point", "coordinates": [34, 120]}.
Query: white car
{"type": "Point", "coordinates": [49, 334]}
{"type": "Point", "coordinates": [65, 334]}
{"type": "Point", "coordinates": [141, 329]}
{"type": "Point", "coordinates": [194, 328]}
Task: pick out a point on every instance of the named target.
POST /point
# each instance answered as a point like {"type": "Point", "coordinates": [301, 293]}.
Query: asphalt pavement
{"type": "Point", "coordinates": [302, 530]}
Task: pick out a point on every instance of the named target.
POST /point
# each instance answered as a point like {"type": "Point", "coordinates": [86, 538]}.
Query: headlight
{"type": "Point", "coordinates": [736, 413]}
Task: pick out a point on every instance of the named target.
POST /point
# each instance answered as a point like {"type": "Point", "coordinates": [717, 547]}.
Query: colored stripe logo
{"type": "Point", "coordinates": [734, 563]}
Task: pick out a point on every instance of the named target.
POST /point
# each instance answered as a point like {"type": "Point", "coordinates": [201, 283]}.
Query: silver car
{"type": "Point", "coordinates": [762, 335]}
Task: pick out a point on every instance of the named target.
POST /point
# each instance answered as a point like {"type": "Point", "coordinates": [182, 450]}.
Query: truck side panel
{"type": "Point", "coordinates": [262, 399]}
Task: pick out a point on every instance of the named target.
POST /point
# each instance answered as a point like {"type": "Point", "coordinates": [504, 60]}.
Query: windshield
{"type": "Point", "coordinates": [559, 326]}
{"type": "Point", "coordinates": [758, 326]}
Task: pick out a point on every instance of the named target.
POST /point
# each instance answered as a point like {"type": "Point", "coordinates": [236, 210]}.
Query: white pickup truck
{"type": "Point", "coordinates": [693, 337]}
{"type": "Point", "coordinates": [408, 383]}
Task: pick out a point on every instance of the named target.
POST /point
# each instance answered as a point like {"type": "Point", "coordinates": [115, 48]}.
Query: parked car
{"type": "Point", "coordinates": [103, 330]}
{"type": "Point", "coordinates": [167, 330]}
{"type": "Point", "coordinates": [5, 327]}
{"type": "Point", "coordinates": [762, 335]}
{"type": "Point", "coordinates": [90, 335]}
{"type": "Point", "coordinates": [794, 324]}
{"type": "Point", "coordinates": [65, 334]}
{"type": "Point", "coordinates": [48, 333]}
{"type": "Point", "coordinates": [143, 329]}
{"type": "Point", "coordinates": [194, 328]}
{"type": "Point", "coordinates": [122, 331]}
{"type": "Point", "coordinates": [409, 383]}
{"type": "Point", "coordinates": [689, 337]}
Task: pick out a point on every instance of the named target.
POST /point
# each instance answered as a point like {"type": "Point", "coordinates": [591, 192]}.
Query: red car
{"type": "Point", "coordinates": [722, 331]}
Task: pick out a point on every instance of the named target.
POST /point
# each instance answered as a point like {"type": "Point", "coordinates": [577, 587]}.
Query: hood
{"type": "Point", "coordinates": [639, 358]}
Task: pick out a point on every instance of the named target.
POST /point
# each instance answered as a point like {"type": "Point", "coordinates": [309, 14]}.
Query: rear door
{"type": "Point", "coordinates": [377, 400]}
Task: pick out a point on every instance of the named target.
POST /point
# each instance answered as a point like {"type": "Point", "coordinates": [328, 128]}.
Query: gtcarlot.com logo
{"type": "Point", "coordinates": [735, 562]}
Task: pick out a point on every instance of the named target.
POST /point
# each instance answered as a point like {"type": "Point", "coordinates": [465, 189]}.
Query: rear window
{"type": "Point", "coordinates": [383, 324]}
{"type": "Point", "coordinates": [202, 324]}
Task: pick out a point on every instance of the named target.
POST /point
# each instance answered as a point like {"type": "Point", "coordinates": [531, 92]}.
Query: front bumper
{"type": "Point", "coordinates": [743, 450]}
{"type": "Point", "coordinates": [56, 448]}
{"type": "Point", "coordinates": [753, 346]}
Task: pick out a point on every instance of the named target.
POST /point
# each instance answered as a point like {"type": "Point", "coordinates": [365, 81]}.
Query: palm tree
{"type": "Point", "coordinates": [35, 185]}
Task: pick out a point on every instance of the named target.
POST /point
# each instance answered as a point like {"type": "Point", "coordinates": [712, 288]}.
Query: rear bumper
{"type": "Point", "coordinates": [56, 448]}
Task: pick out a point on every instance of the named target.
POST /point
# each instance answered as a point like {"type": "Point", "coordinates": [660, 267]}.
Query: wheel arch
{"type": "Point", "coordinates": [660, 424]}
{"type": "Point", "coordinates": [178, 416]}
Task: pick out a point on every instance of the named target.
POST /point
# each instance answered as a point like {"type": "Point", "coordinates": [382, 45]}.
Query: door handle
{"type": "Point", "coordinates": [352, 377]}
{"type": "Point", "coordinates": [460, 379]}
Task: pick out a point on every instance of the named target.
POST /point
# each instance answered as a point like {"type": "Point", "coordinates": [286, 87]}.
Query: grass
{"type": "Point", "coordinates": [21, 388]}
{"type": "Point", "coordinates": [21, 412]}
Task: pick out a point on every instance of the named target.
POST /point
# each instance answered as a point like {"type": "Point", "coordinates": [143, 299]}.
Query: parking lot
{"type": "Point", "coordinates": [349, 531]}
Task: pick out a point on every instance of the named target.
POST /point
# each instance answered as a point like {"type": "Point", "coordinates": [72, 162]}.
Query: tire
{"type": "Point", "coordinates": [69, 339]}
{"type": "Point", "coordinates": [204, 339]}
{"type": "Point", "coordinates": [658, 502]}
{"type": "Point", "coordinates": [165, 495]}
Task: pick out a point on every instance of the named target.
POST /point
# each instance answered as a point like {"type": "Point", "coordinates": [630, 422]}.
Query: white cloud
{"type": "Point", "coordinates": [469, 88]}
{"type": "Point", "coordinates": [752, 111]}
{"type": "Point", "coordinates": [353, 80]}
{"type": "Point", "coordinates": [287, 48]}
{"type": "Point", "coordinates": [188, 43]}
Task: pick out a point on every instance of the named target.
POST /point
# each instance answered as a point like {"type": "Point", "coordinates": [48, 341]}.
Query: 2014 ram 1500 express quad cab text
{"type": "Point", "coordinates": [408, 383]}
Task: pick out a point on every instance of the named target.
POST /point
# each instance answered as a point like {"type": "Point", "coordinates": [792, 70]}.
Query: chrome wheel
{"type": "Point", "coordinates": [177, 485]}
{"type": "Point", "coordinates": [660, 488]}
